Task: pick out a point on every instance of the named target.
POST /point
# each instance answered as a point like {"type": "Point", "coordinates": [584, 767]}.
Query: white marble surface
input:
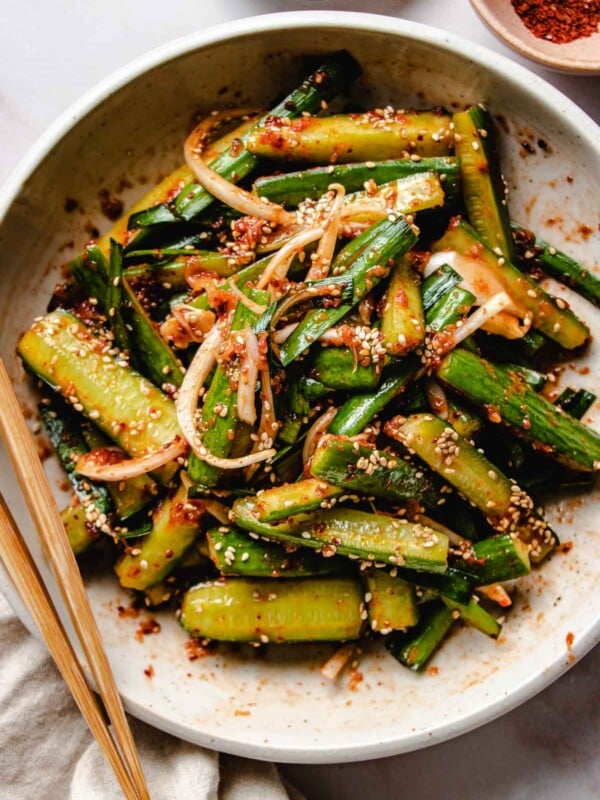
{"type": "Point", "coordinates": [50, 53]}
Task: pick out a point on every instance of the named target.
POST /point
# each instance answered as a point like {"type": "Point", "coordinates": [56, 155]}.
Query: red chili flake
{"type": "Point", "coordinates": [565, 547]}
{"type": "Point", "coordinates": [149, 671]}
{"type": "Point", "coordinates": [356, 677]}
{"type": "Point", "coordinates": [561, 21]}
{"type": "Point", "coordinates": [128, 611]}
{"type": "Point", "coordinates": [570, 639]}
{"type": "Point", "coordinates": [199, 648]}
{"type": "Point", "coordinates": [236, 147]}
{"type": "Point", "coordinates": [111, 207]}
{"type": "Point", "coordinates": [146, 628]}
{"type": "Point", "coordinates": [527, 146]}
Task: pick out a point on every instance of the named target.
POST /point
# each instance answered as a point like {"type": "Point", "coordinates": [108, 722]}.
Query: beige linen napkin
{"type": "Point", "coordinates": [46, 751]}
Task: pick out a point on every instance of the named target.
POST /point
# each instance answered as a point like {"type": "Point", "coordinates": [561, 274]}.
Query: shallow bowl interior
{"type": "Point", "coordinates": [122, 138]}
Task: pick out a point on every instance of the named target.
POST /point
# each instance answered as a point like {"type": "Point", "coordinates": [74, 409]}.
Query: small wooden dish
{"type": "Point", "coordinates": [581, 57]}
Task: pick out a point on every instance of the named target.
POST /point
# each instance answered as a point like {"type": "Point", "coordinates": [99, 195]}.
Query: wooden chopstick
{"type": "Point", "coordinates": [28, 583]}
{"type": "Point", "coordinates": [44, 511]}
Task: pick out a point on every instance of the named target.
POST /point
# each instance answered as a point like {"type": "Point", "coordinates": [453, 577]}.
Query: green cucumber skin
{"type": "Point", "coordinates": [335, 460]}
{"type": "Point", "coordinates": [481, 181]}
{"type": "Point", "coordinates": [292, 188]}
{"type": "Point", "coordinates": [559, 265]}
{"type": "Point", "coordinates": [173, 236]}
{"type": "Point", "coordinates": [565, 269]}
{"type": "Point", "coordinates": [414, 648]}
{"type": "Point", "coordinates": [402, 321]}
{"type": "Point", "coordinates": [342, 138]}
{"type": "Point", "coordinates": [337, 368]}
{"type": "Point", "coordinates": [133, 329]}
{"type": "Point", "coordinates": [452, 583]}
{"type": "Point", "coordinates": [466, 468]}
{"type": "Point", "coordinates": [464, 421]}
{"type": "Point", "coordinates": [312, 389]}
{"type": "Point", "coordinates": [218, 432]}
{"type": "Point", "coordinates": [358, 534]}
{"type": "Point", "coordinates": [560, 325]}
{"type": "Point", "coordinates": [323, 84]}
{"type": "Point", "coordinates": [385, 240]}
{"type": "Point", "coordinates": [476, 616]}
{"type": "Point", "coordinates": [171, 265]}
{"type": "Point", "coordinates": [391, 602]}
{"type": "Point", "coordinates": [534, 379]}
{"type": "Point", "coordinates": [66, 436]}
{"type": "Point", "coordinates": [437, 285]}
{"type": "Point", "coordinates": [283, 501]}
{"type": "Point", "coordinates": [357, 412]}
{"type": "Point", "coordinates": [235, 553]}
{"type": "Point", "coordinates": [90, 270]}
{"type": "Point", "coordinates": [296, 610]}
{"type": "Point", "coordinates": [156, 359]}
{"type": "Point", "coordinates": [449, 309]}
{"type": "Point", "coordinates": [175, 526]}
{"type": "Point", "coordinates": [490, 386]}
{"type": "Point", "coordinates": [319, 320]}
{"type": "Point", "coordinates": [114, 395]}
{"type": "Point", "coordinates": [130, 496]}
{"type": "Point", "coordinates": [404, 196]}
{"type": "Point", "coordinates": [114, 298]}
{"type": "Point", "coordinates": [314, 324]}
{"type": "Point", "coordinates": [576, 402]}
{"type": "Point", "coordinates": [80, 533]}
{"type": "Point", "coordinates": [161, 272]}
{"type": "Point", "coordinates": [292, 408]}
{"type": "Point", "coordinates": [497, 559]}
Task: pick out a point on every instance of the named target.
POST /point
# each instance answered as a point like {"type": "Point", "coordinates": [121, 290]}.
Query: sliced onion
{"type": "Point", "coordinates": [437, 260]}
{"type": "Point", "coordinates": [99, 464]}
{"type": "Point", "coordinates": [279, 337]}
{"type": "Point", "coordinates": [508, 325]}
{"type": "Point", "coordinates": [477, 277]}
{"type": "Point", "coordinates": [257, 308]}
{"type": "Point", "coordinates": [437, 398]}
{"type": "Point", "coordinates": [219, 511]}
{"type": "Point", "coordinates": [279, 265]}
{"type": "Point", "coordinates": [246, 394]}
{"type": "Point", "coordinates": [188, 324]}
{"type": "Point", "coordinates": [496, 593]}
{"type": "Point", "coordinates": [365, 213]}
{"type": "Point", "coordinates": [499, 302]}
{"type": "Point", "coordinates": [365, 309]}
{"type": "Point", "coordinates": [334, 665]}
{"type": "Point", "coordinates": [324, 255]}
{"type": "Point", "coordinates": [187, 400]}
{"type": "Point", "coordinates": [293, 299]}
{"type": "Point", "coordinates": [338, 337]}
{"type": "Point", "coordinates": [221, 188]}
{"type": "Point", "coordinates": [268, 422]}
{"type": "Point", "coordinates": [197, 373]}
{"type": "Point", "coordinates": [316, 431]}
{"type": "Point", "coordinates": [230, 463]}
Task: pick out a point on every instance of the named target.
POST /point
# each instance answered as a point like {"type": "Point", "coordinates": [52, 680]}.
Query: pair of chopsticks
{"type": "Point", "coordinates": [120, 751]}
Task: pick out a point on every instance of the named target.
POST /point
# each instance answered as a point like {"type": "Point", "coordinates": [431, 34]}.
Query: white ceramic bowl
{"type": "Point", "coordinates": [132, 125]}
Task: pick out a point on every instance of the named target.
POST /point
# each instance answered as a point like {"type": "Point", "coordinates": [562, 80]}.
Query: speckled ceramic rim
{"type": "Point", "coordinates": [509, 72]}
